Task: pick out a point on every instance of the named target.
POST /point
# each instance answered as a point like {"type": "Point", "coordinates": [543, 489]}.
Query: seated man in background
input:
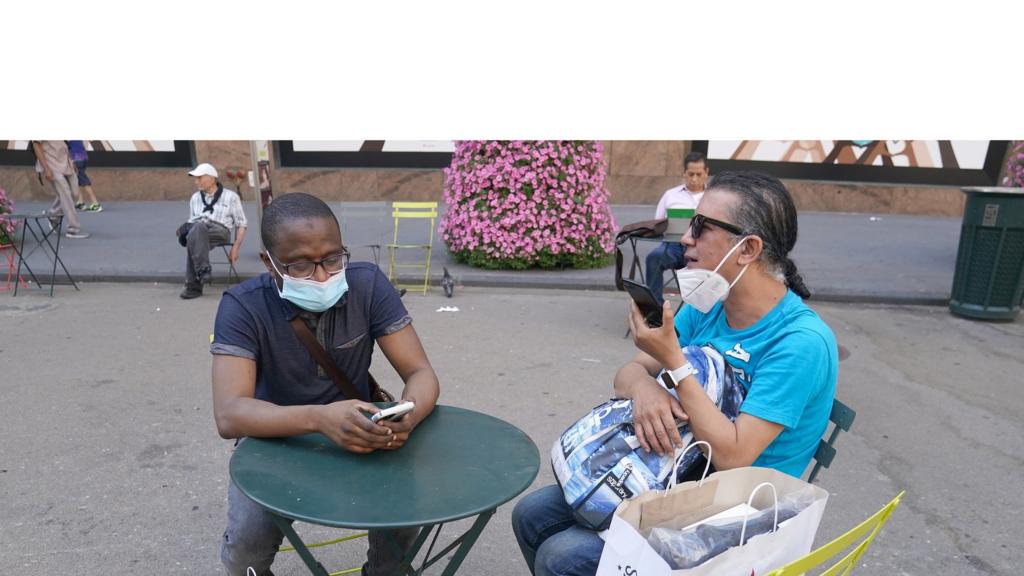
{"type": "Point", "coordinates": [782, 353]}
{"type": "Point", "coordinates": [267, 384]}
{"type": "Point", "coordinates": [669, 255]}
{"type": "Point", "coordinates": [214, 212]}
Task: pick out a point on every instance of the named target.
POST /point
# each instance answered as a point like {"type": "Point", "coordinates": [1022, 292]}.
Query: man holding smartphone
{"type": "Point", "coordinates": [745, 298]}
{"type": "Point", "coordinates": [267, 384]}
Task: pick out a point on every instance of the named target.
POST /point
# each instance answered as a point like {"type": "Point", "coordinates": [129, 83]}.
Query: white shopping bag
{"type": "Point", "coordinates": [626, 544]}
{"type": "Point", "coordinates": [626, 553]}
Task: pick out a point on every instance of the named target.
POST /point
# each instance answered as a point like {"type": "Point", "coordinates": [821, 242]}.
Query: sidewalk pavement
{"type": "Point", "coordinates": [843, 257]}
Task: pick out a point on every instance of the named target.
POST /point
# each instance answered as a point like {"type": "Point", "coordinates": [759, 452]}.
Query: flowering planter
{"type": "Point", "coordinates": [7, 227]}
{"type": "Point", "coordinates": [528, 204]}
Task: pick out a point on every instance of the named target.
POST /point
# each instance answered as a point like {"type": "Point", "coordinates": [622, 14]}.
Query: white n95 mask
{"type": "Point", "coordinates": [702, 289]}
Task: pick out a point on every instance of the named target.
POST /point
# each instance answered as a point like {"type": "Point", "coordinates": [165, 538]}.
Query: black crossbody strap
{"type": "Point", "coordinates": [322, 358]}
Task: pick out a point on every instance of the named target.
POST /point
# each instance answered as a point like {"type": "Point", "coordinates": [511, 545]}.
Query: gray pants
{"type": "Point", "coordinates": [66, 188]}
{"type": "Point", "coordinates": [201, 237]}
{"type": "Point", "coordinates": [252, 539]}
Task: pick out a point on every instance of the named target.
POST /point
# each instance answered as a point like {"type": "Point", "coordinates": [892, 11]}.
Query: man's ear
{"type": "Point", "coordinates": [751, 250]}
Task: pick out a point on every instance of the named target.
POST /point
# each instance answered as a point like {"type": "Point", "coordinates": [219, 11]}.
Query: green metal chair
{"type": "Point", "coordinates": [415, 210]}
{"type": "Point", "coordinates": [842, 419]}
{"type": "Point", "coordinates": [232, 275]}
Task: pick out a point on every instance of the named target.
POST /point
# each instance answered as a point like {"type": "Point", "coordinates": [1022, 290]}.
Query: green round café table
{"type": "Point", "coordinates": [456, 464]}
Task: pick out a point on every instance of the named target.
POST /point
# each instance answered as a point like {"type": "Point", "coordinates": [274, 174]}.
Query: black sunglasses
{"type": "Point", "coordinates": [699, 221]}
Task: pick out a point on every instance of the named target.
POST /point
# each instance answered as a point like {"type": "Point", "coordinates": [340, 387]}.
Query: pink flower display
{"type": "Point", "coordinates": [524, 204]}
{"type": "Point", "coordinates": [1015, 165]}
{"type": "Point", "coordinates": [6, 224]}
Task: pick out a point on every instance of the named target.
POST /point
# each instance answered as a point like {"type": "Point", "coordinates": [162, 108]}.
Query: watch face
{"type": "Point", "coordinates": [666, 378]}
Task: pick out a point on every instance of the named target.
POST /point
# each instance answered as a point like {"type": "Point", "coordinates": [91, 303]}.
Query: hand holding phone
{"type": "Point", "coordinates": [393, 413]}
{"type": "Point", "coordinates": [645, 300]}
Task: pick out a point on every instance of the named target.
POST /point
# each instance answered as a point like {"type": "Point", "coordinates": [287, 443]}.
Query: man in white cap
{"type": "Point", "coordinates": [214, 212]}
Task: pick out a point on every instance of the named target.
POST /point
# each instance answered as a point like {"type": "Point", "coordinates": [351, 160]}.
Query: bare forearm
{"type": "Point", "coordinates": [709, 424]}
{"type": "Point", "coordinates": [38, 148]}
{"type": "Point", "coordinates": [628, 377]}
{"type": "Point", "coordinates": [243, 416]}
{"type": "Point", "coordinates": [423, 389]}
{"type": "Point", "coordinates": [239, 236]}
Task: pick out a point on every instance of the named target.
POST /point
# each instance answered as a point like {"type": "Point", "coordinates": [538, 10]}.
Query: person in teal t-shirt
{"type": "Point", "coordinates": [744, 297]}
{"type": "Point", "coordinates": [787, 362]}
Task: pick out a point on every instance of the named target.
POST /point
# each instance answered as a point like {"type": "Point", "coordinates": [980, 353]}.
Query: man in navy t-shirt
{"type": "Point", "coordinates": [266, 383]}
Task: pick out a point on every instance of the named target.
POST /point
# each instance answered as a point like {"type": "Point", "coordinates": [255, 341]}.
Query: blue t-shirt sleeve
{"type": "Point", "coordinates": [686, 324]}
{"type": "Point", "coordinates": [234, 330]}
{"type": "Point", "coordinates": [786, 377]}
{"type": "Point", "coordinates": [387, 313]}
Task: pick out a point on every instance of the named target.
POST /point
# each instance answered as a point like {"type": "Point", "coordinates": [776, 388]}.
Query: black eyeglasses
{"type": "Point", "coordinates": [305, 269]}
{"type": "Point", "coordinates": [699, 221]}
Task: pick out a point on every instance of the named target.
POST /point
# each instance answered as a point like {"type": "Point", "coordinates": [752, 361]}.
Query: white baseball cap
{"type": "Point", "coordinates": [204, 169]}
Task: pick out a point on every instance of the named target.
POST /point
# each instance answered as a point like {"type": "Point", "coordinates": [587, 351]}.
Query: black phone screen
{"type": "Point", "coordinates": [644, 299]}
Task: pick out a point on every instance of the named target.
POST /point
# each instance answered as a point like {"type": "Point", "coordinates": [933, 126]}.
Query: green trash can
{"type": "Point", "coordinates": [989, 279]}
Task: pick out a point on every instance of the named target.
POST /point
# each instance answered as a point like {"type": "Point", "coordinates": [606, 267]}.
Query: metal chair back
{"type": "Point", "coordinates": [417, 211]}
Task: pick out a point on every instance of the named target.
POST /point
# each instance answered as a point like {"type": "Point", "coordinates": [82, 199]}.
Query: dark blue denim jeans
{"type": "Point", "coordinates": [666, 256]}
{"type": "Point", "coordinates": [551, 541]}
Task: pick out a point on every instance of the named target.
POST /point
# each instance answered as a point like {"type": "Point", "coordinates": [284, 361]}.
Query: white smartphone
{"type": "Point", "coordinates": [393, 413]}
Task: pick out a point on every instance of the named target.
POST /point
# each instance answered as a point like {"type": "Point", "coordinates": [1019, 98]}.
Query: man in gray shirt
{"type": "Point", "coordinates": [214, 214]}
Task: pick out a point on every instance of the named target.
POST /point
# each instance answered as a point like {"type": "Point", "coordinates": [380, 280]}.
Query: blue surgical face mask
{"type": "Point", "coordinates": [309, 294]}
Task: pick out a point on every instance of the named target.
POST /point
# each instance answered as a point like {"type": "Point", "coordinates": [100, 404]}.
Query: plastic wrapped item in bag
{"type": "Point", "coordinates": [684, 549]}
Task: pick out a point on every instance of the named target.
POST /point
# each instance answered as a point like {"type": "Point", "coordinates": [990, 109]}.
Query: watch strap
{"type": "Point", "coordinates": [672, 378]}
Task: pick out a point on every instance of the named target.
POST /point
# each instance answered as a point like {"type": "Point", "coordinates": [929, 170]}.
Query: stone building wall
{"type": "Point", "coordinates": [638, 172]}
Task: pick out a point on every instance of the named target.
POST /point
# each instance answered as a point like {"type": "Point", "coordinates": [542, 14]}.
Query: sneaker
{"type": "Point", "coordinates": [77, 235]}
{"type": "Point", "coordinates": [204, 276]}
{"type": "Point", "coordinates": [79, 205]}
{"type": "Point", "coordinates": [94, 207]}
{"type": "Point", "coordinates": [191, 292]}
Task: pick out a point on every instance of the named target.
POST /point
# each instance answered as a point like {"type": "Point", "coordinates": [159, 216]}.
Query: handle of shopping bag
{"type": "Point", "coordinates": [679, 460]}
{"type": "Point", "coordinates": [775, 496]}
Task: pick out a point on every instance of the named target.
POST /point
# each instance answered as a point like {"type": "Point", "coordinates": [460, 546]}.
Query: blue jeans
{"type": "Point", "coordinates": [551, 541]}
{"type": "Point", "coordinates": [667, 256]}
{"type": "Point", "coordinates": [83, 179]}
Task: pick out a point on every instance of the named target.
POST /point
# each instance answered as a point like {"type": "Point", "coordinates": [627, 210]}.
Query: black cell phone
{"type": "Point", "coordinates": [645, 300]}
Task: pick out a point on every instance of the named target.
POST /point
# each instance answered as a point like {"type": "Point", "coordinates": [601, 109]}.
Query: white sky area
{"type": "Point", "coordinates": [389, 145]}
{"type": "Point", "coordinates": [969, 153]}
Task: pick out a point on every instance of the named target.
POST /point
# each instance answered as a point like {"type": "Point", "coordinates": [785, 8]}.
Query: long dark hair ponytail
{"type": "Point", "coordinates": [766, 209]}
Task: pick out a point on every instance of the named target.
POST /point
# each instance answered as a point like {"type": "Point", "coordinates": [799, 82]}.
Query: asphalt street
{"type": "Point", "coordinates": [110, 462]}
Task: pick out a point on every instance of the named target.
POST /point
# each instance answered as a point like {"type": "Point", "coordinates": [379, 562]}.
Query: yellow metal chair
{"type": "Point", "coordinates": [355, 570]}
{"type": "Point", "coordinates": [422, 211]}
{"type": "Point", "coordinates": [818, 557]}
